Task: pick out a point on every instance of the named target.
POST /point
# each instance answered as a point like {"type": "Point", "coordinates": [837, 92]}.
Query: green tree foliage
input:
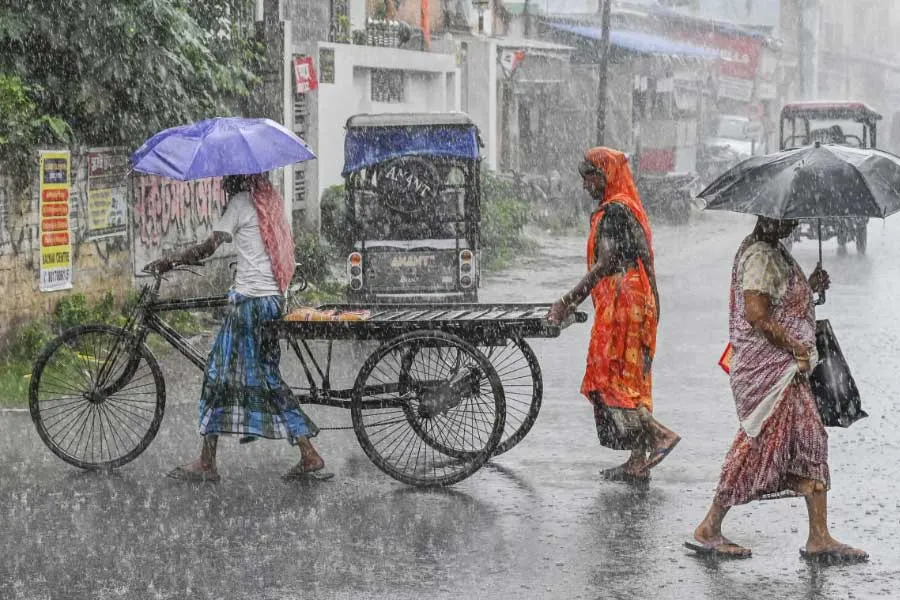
{"type": "Point", "coordinates": [116, 72]}
{"type": "Point", "coordinates": [503, 218]}
{"type": "Point", "coordinates": [21, 126]}
{"type": "Point", "coordinates": [336, 228]}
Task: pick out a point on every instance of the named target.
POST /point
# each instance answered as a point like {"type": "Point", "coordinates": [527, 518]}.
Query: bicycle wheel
{"type": "Point", "coordinates": [423, 391]}
{"type": "Point", "coordinates": [97, 397]}
{"type": "Point", "coordinates": [523, 388]}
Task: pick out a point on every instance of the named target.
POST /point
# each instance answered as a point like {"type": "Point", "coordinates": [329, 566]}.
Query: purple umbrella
{"type": "Point", "coordinates": [220, 146]}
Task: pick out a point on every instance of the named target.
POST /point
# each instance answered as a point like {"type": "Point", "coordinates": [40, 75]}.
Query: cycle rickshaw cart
{"type": "Point", "coordinates": [448, 387]}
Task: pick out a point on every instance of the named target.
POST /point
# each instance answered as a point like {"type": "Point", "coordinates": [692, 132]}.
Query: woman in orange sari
{"type": "Point", "coordinates": [622, 284]}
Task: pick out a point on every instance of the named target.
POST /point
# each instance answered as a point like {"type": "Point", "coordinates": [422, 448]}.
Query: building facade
{"type": "Point", "coordinates": [363, 62]}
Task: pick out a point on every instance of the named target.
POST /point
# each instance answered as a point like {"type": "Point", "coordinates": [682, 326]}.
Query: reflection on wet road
{"type": "Point", "coordinates": [535, 523]}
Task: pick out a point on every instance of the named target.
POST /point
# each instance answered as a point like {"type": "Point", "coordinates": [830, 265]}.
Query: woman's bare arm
{"type": "Point", "coordinates": [758, 312]}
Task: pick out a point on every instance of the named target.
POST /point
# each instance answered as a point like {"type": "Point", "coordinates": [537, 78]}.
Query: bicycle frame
{"type": "Point", "coordinates": [146, 318]}
{"type": "Point", "coordinates": [153, 322]}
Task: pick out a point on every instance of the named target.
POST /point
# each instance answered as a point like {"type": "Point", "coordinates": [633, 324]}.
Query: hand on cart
{"type": "Point", "coordinates": [560, 313]}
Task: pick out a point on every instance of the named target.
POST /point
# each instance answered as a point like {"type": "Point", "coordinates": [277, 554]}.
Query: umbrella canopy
{"type": "Point", "coordinates": [220, 146]}
{"type": "Point", "coordinates": [813, 182]}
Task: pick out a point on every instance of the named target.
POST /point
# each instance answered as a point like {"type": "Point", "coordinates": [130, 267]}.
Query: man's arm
{"type": "Point", "coordinates": [192, 254]}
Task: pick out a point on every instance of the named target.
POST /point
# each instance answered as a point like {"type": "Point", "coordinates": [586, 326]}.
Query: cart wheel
{"type": "Point", "coordinates": [97, 397]}
{"type": "Point", "coordinates": [428, 408]}
{"type": "Point", "coordinates": [862, 238]}
{"type": "Point", "coordinates": [523, 388]}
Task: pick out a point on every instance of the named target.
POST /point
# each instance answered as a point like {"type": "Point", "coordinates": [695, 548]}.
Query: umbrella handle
{"type": "Point", "coordinates": [820, 296]}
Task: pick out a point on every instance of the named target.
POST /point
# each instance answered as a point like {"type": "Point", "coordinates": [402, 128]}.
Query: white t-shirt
{"type": "Point", "coordinates": [254, 269]}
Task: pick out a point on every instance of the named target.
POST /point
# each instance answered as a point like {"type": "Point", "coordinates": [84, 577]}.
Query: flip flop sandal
{"type": "Point", "coordinates": [659, 454]}
{"type": "Point", "coordinates": [833, 556]}
{"type": "Point", "coordinates": [299, 475]}
{"type": "Point", "coordinates": [714, 550]}
{"type": "Point", "coordinates": [182, 474]}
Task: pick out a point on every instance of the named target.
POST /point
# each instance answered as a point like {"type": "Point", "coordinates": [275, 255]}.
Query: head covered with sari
{"type": "Point", "coordinates": [620, 186]}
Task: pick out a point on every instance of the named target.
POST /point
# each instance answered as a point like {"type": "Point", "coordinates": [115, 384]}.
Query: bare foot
{"type": "Point", "coordinates": [666, 444]}
{"type": "Point", "coordinates": [309, 464]}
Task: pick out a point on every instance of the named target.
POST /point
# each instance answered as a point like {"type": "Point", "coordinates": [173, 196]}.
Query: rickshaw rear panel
{"type": "Point", "coordinates": [413, 192]}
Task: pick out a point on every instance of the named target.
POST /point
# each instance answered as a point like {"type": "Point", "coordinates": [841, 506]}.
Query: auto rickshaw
{"type": "Point", "coordinates": [847, 123]}
{"type": "Point", "coordinates": [412, 197]}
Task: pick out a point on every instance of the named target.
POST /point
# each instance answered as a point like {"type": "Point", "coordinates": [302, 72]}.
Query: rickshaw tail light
{"type": "Point", "coordinates": [466, 266]}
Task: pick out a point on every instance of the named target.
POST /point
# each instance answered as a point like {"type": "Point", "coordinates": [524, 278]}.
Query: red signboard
{"type": "Point", "coordinates": [55, 195]}
{"type": "Point", "coordinates": [738, 54]}
{"type": "Point", "coordinates": [56, 209]}
{"type": "Point", "coordinates": [59, 238]}
{"type": "Point", "coordinates": [305, 75]}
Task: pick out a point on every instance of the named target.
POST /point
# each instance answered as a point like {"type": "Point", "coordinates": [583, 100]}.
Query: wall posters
{"type": "Point", "coordinates": [107, 188]}
{"type": "Point", "coordinates": [55, 230]}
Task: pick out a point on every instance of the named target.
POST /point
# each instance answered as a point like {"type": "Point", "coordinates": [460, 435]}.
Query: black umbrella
{"type": "Point", "coordinates": [814, 182]}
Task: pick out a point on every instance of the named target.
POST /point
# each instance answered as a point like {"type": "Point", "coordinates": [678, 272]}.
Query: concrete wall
{"type": "Point", "coordinates": [310, 21]}
{"type": "Point", "coordinates": [98, 267]}
{"type": "Point", "coordinates": [162, 215]}
{"type": "Point", "coordinates": [478, 97]}
{"type": "Point", "coordinates": [431, 85]}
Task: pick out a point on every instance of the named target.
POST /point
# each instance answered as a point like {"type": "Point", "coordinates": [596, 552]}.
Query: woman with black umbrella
{"type": "Point", "coordinates": [782, 448]}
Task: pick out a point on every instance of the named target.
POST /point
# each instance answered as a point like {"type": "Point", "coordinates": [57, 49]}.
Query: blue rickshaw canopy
{"type": "Point", "coordinates": [369, 143]}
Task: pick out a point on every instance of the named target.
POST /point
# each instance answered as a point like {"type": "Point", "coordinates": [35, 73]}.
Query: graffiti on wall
{"type": "Point", "coordinates": [18, 220]}
{"type": "Point", "coordinates": [169, 214]}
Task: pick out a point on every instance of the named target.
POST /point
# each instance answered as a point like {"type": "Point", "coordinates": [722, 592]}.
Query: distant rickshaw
{"type": "Point", "coordinates": [846, 123]}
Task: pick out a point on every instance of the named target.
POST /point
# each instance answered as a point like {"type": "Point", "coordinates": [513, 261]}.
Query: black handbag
{"type": "Point", "coordinates": [833, 387]}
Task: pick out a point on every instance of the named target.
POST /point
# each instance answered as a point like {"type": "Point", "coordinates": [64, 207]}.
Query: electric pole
{"type": "Point", "coordinates": [603, 69]}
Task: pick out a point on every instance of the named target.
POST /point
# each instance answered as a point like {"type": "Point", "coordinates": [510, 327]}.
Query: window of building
{"type": "Point", "coordinates": [388, 85]}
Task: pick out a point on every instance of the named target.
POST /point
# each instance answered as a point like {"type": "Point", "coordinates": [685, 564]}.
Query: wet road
{"type": "Point", "coordinates": [535, 523]}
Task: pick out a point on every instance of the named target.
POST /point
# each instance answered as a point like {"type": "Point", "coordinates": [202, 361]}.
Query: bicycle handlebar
{"type": "Point", "coordinates": [175, 267]}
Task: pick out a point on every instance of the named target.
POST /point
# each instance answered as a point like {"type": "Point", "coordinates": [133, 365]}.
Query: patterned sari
{"type": "Point", "coordinates": [781, 432]}
{"type": "Point", "coordinates": [617, 379]}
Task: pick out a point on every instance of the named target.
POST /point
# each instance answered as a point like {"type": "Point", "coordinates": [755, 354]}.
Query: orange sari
{"type": "Point", "coordinates": [623, 337]}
